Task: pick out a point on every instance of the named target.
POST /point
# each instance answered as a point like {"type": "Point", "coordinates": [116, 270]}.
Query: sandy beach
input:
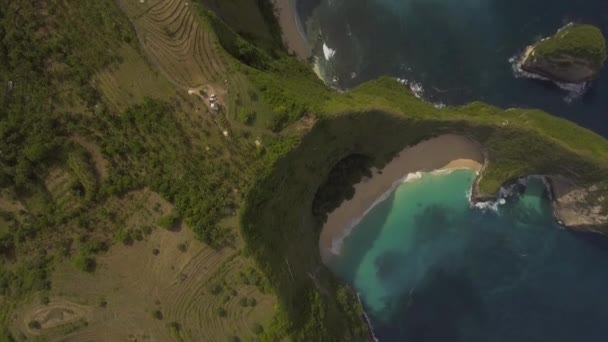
{"type": "Point", "coordinates": [293, 34]}
{"type": "Point", "coordinates": [441, 153]}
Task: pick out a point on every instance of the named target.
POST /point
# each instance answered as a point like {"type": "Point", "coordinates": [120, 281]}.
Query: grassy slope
{"type": "Point", "coordinates": [584, 41]}
{"type": "Point", "coordinates": [378, 119]}
{"type": "Point", "coordinates": [179, 151]}
{"type": "Point", "coordinates": [167, 143]}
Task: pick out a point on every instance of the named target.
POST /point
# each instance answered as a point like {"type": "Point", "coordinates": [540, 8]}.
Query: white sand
{"type": "Point", "coordinates": [444, 152]}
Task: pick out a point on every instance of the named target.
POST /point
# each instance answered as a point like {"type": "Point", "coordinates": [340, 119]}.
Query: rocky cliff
{"type": "Point", "coordinates": [575, 54]}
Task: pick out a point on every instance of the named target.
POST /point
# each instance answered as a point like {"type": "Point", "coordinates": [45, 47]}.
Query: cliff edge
{"type": "Point", "coordinates": [575, 54]}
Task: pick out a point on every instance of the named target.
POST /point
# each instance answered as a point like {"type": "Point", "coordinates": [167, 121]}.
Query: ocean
{"type": "Point", "coordinates": [453, 52]}
{"type": "Point", "coordinates": [428, 267]}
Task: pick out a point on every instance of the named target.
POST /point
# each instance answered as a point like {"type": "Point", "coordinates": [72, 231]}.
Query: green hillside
{"type": "Point", "coordinates": [584, 41]}
{"type": "Point", "coordinates": [191, 222]}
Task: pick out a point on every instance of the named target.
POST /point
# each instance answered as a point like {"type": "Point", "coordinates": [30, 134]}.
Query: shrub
{"type": "Point", "coordinates": [243, 302]}
{"type": "Point", "coordinates": [174, 326]}
{"type": "Point", "coordinates": [147, 230]}
{"type": "Point", "coordinates": [34, 325]}
{"type": "Point", "coordinates": [247, 116]}
{"type": "Point", "coordinates": [125, 236]}
{"type": "Point", "coordinates": [138, 234]}
{"type": "Point", "coordinates": [257, 328]}
{"type": "Point", "coordinates": [85, 263]}
{"type": "Point", "coordinates": [215, 289]}
{"type": "Point", "coordinates": [157, 314]}
{"type": "Point", "coordinates": [252, 302]}
{"type": "Point", "coordinates": [222, 312]}
{"type": "Point", "coordinates": [168, 221]}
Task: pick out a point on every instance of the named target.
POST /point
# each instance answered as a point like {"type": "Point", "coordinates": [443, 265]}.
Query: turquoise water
{"type": "Point", "coordinates": [430, 268]}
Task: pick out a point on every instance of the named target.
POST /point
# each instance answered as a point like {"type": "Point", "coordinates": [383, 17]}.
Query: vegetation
{"type": "Point", "coordinates": [157, 314]}
{"type": "Point", "coordinates": [339, 185]}
{"type": "Point", "coordinates": [350, 126]}
{"type": "Point", "coordinates": [69, 202]}
{"type": "Point", "coordinates": [584, 41]}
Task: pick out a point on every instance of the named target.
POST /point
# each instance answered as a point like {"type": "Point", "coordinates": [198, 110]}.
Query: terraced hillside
{"type": "Point", "coordinates": [82, 253]}
{"type": "Point", "coordinates": [177, 41]}
{"type": "Point", "coordinates": [167, 287]}
{"type": "Point", "coordinates": [183, 47]}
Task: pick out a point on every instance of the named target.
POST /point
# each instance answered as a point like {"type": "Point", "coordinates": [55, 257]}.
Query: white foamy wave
{"type": "Point", "coordinates": [369, 322]}
{"type": "Point", "coordinates": [411, 177]}
{"type": "Point", "coordinates": [575, 90]}
{"type": "Point", "coordinates": [443, 172]}
{"type": "Point", "coordinates": [416, 88]}
{"type": "Point", "coordinates": [328, 52]}
{"type": "Point", "coordinates": [490, 205]}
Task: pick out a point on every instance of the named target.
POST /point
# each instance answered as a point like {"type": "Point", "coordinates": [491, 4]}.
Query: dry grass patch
{"type": "Point", "coordinates": [99, 162]}
{"type": "Point", "coordinates": [54, 316]}
{"type": "Point", "coordinates": [177, 41]}
{"type": "Point", "coordinates": [157, 290]}
{"type": "Point", "coordinates": [60, 185]}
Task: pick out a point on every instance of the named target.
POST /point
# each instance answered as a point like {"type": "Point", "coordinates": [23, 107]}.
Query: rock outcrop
{"type": "Point", "coordinates": [578, 207]}
{"type": "Point", "coordinates": [575, 54]}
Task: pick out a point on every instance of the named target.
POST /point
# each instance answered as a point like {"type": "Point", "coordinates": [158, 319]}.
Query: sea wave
{"type": "Point", "coordinates": [328, 52]}
{"type": "Point", "coordinates": [369, 322]}
{"type": "Point", "coordinates": [416, 87]}
{"type": "Point", "coordinates": [418, 90]}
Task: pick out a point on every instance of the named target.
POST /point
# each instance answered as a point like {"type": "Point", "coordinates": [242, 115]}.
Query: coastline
{"type": "Point", "coordinates": [291, 28]}
{"type": "Point", "coordinates": [443, 153]}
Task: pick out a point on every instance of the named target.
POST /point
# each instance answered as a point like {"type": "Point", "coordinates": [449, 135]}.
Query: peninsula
{"type": "Point", "coordinates": [160, 183]}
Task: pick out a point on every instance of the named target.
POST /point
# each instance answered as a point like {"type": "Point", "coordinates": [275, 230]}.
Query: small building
{"type": "Point", "coordinates": [214, 106]}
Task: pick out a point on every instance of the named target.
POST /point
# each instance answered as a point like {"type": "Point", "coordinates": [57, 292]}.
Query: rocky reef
{"type": "Point", "coordinates": [575, 54]}
{"type": "Point", "coordinates": [578, 207]}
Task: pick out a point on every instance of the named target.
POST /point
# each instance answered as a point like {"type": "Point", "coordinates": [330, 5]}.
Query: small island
{"type": "Point", "coordinates": [575, 54]}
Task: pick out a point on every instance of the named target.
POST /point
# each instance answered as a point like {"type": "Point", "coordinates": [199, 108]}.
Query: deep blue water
{"type": "Point", "coordinates": [431, 269]}
{"type": "Point", "coordinates": [458, 50]}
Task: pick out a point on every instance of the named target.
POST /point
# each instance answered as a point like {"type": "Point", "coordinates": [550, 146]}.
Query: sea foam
{"type": "Point", "coordinates": [328, 52]}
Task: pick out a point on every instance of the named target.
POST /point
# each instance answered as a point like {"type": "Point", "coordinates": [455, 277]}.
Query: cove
{"type": "Point", "coordinates": [454, 52]}
{"type": "Point", "coordinates": [428, 267]}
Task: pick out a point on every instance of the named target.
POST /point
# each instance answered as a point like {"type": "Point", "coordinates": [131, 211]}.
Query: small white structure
{"type": "Point", "coordinates": [225, 133]}
{"type": "Point", "coordinates": [258, 143]}
{"type": "Point", "coordinates": [214, 106]}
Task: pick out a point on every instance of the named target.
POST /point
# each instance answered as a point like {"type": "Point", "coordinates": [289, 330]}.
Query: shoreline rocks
{"type": "Point", "coordinates": [574, 207]}
{"type": "Point", "coordinates": [575, 54]}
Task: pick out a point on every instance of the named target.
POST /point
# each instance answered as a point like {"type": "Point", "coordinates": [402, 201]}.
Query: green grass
{"type": "Point", "coordinates": [377, 120]}
{"type": "Point", "coordinates": [162, 144]}
{"type": "Point", "coordinates": [584, 41]}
